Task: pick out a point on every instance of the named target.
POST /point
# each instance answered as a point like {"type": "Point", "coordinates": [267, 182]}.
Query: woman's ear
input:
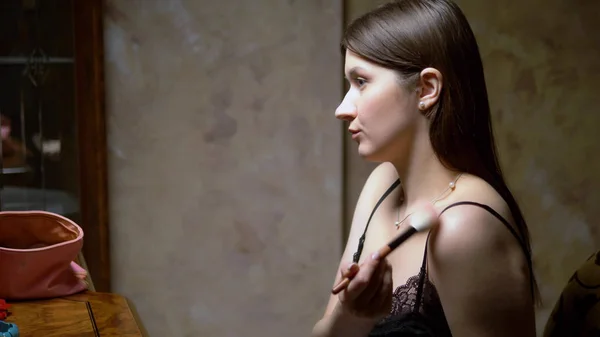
{"type": "Point", "coordinates": [430, 88]}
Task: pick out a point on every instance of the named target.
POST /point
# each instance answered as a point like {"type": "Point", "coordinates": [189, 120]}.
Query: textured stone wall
{"type": "Point", "coordinates": [225, 162]}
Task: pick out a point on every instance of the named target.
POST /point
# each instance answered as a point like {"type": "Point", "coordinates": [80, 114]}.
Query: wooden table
{"type": "Point", "coordinates": [87, 314]}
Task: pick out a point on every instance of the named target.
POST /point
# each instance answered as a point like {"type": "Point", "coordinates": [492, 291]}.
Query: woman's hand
{"type": "Point", "coordinates": [369, 293]}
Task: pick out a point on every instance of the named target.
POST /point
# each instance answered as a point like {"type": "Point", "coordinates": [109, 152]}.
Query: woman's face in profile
{"type": "Point", "coordinates": [380, 110]}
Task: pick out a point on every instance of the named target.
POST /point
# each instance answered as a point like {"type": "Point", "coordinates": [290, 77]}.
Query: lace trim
{"type": "Point", "coordinates": [405, 297]}
{"type": "Point", "coordinates": [409, 318]}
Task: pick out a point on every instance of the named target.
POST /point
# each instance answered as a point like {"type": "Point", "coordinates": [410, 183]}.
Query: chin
{"type": "Point", "coordinates": [370, 154]}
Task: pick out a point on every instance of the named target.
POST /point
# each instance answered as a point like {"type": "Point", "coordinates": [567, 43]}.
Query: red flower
{"type": "Point", "coordinates": [3, 309]}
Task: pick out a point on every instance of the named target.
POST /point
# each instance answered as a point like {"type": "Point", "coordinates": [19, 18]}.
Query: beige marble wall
{"type": "Point", "coordinates": [225, 162]}
{"type": "Point", "coordinates": [542, 62]}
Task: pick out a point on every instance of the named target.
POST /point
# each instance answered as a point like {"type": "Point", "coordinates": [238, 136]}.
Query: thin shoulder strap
{"type": "Point", "coordinates": [504, 222]}
{"type": "Point", "coordinates": [498, 216]}
{"type": "Point", "coordinates": [361, 241]}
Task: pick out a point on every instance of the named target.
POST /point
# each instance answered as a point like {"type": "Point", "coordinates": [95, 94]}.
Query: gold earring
{"type": "Point", "coordinates": [421, 106]}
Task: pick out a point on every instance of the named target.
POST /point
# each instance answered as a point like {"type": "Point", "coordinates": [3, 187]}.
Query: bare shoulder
{"type": "Point", "coordinates": [469, 229]}
{"type": "Point", "coordinates": [380, 179]}
{"type": "Point", "coordinates": [473, 213]}
{"type": "Point", "coordinates": [479, 268]}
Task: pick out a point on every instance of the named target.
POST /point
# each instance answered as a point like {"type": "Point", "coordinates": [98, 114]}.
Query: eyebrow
{"type": "Point", "coordinates": [352, 72]}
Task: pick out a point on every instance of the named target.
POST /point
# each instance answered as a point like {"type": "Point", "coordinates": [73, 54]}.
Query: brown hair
{"type": "Point", "coordinates": [410, 35]}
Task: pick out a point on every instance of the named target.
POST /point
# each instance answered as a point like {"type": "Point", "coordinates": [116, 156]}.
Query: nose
{"type": "Point", "coordinates": [346, 111]}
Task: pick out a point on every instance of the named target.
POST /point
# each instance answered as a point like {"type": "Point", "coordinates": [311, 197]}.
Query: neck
{"type": "Point", "coordinates": [422, 174]}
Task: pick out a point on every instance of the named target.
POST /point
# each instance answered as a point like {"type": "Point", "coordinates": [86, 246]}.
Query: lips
{"type": "Point", "coordinates": [354, 133]}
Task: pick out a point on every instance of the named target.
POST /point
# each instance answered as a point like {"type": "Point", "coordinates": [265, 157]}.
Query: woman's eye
{"type": "Point", "coordinates": [360, 82]}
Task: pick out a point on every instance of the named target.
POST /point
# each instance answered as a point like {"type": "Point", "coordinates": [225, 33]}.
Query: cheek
{"type": "Point", "coordinates": [387, 108]}
{"type": "Point", "coordinates": [375, 106]}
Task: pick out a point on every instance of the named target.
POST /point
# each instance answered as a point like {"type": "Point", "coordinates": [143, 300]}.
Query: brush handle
{"type": "Point", "coordinates": [420, 221]}
{"type": "Point", "coordinates": [397, 241]}
{"type": "Point", "coordinates": [381, 254]}
{"type": "Point", "coordinates": [340, 286]}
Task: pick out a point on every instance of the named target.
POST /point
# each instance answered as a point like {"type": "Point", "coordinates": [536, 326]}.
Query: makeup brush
{"type": "Point", "coordinates": [420, 221]}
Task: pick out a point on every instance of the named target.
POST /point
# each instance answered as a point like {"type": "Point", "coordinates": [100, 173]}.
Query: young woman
{"type": "Point", "coordinates": [418, 104]}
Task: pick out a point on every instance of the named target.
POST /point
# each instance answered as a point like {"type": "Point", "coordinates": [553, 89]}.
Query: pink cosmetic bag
{"type": "Point", "coordinates": [37, 254]}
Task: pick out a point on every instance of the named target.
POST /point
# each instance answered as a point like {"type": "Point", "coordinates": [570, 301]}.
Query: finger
{"type": "Point", "coordinates": [358, 284]}
{"type": "Point", "coordinates": [374, 286]}
{"type": "Point", "coordinates": [346, 274]}
{"type": "Point", "coordinates": [350, 271]}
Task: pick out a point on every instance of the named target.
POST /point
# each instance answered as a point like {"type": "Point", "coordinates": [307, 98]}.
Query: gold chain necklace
{"type": "Point", "coordinates": [451, 187]}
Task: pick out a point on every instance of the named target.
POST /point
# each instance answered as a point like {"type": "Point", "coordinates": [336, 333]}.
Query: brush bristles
{"type": "Point", "coordinates": [423, 220]}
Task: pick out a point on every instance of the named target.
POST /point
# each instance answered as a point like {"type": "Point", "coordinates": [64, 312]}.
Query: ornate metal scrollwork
{"type": "Point", "coordinates": [36, 67]}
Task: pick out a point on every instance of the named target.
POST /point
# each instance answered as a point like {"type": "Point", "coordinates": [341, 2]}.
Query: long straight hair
{"type": "Point", "coordinates": [408, 36]}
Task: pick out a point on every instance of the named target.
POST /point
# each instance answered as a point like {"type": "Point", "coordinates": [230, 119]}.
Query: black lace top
{"type": "Point", "coordinates": [416, 307]}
